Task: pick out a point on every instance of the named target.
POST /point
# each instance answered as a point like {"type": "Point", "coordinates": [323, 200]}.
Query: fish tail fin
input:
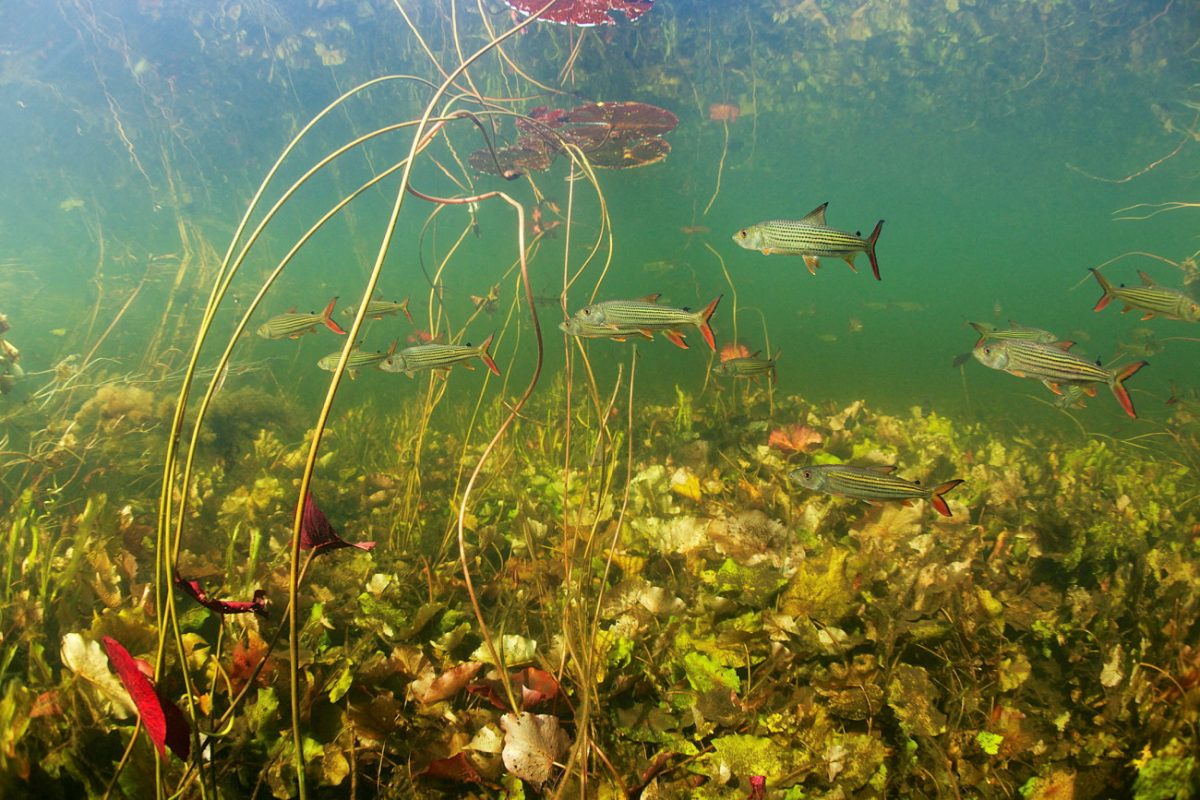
{"type": "Point", "coordinates": [874, 237]}
{"type": "Point", "coordinates": [404, 308]}
{"type": "Point", "coordinates": [327, 318]}
{"type": "Point", "coordinates": [1118, 386]}
{"type": "Point", "coordinates": [487, 357]}
{"type": "Point", "coordinates": [936, 498]}
{"type": "Point", "coordinates": [774, 361]}
{"type": "Point", "coordinates": [1106, 286]}
{"type": "Point", "coordinates": [702, 323]}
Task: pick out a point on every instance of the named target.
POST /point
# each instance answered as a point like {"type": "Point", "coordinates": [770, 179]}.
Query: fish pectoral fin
{"type": "Point", "coordinates": [1090, 390]}
{"type": "Point", "coordinates": [646, 333]}
{"type": "Point", "coordinates": [812, 262]}
{"type": "Point", "coordinates": [1148, 315]}
{"type": "Point", "coordinates": [906, 503]}
{"type": "Point", "coordinates": [1052, 386]}
{"type": "Point", "coordinates": [466, 365]}
{"type": "Point", "coordinates": [1016, 373]}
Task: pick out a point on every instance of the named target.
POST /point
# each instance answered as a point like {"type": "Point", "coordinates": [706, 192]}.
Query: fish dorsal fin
{"type": "Point", "coordinates": [652, 298]}
{"type": "Point", "coordinates": [292, 310]}
{"type": "Point", "coordinates": [1146, 279]}
{"type": "Point", "coordinates": [1064, 345]}
{"type": "Point", "coordinates": [756, 354]}
{"type": "Point", "coordinates": [816, 216]}
{"type": "Point", "coordinates": [392, 347]}
{"type": "Point", "coordinates": [1014, 324]}
{"type": "Point", "coordinates": [981, 328]}
{"type": "Point", "coordinates": [885, 469]}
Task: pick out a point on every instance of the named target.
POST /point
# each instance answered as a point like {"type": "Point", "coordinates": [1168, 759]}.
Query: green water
{"type": "Point", "coordinates": [1008, 147]}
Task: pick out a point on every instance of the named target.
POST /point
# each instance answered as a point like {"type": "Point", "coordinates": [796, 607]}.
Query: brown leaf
{"type": "Point", "coordinates": [532, 743]}
{"type": "Point", "coordinates": [449, 683]}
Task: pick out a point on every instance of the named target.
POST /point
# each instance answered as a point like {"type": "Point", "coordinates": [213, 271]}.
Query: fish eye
{"type": "Point", "coordinates": [742, 233]}
{"type": "Point", "coordinates": [807, 474]}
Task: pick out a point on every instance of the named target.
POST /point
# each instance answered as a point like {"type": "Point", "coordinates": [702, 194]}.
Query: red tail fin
{"type": "Point", "coordinates": [487, 357]}
{"type": "Point", "coordinates": [874, 237]}
{"type": "Point", "coordinates": [705, 330]}
{"type": "Point", "coordinates": [327, 318]}
{"type": "Point", "coordinates": [404, 308]}
{"type": "Point", "coordinates": [936, 497]}
{"type": "Point", "coordinates": [1106, 286]}
{"type": "Point", "coordinates": [1118, 386]}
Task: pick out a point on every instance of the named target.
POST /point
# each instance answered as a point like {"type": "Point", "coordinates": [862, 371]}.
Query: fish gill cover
{"type": "Point", "coordinates": [587, 570]}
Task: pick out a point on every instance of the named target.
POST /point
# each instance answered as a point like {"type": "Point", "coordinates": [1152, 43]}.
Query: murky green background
{"type": "Point", "coordinates": [957, 123]}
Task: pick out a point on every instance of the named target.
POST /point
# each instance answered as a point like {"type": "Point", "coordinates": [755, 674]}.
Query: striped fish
{"type": "Point", "coordinates": [1149, 297]}
{"type": "Point", "coordinates": [647, 315]}
{"type": "Point", "coordinates": [292, 325]}
{"type": "Point", "coordinates": [748, 366]}
{"type": "Point", "coordinates": [358, 359]}
{"type": "Point", "coordinates": [986, 330]}
{"type": "Point", "coordinates": [873, 484]}
{"type": "Point", "coordinates": [382, 308]}
{"type": "Point", "coordinates": [584, 329]}
{"type": "Point", "coordinates": [435, 355]}
{"type": "Point", "coordinates": [1055, 366]}
{"type": "Point", "coordinates": [811, 238]}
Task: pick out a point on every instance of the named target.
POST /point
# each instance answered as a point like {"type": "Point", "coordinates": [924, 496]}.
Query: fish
{"type": "Point", "coordinates": [1055, 366]}
{"type": "Point", "coordinates": [435, 355]}
{"type": "Point", "coordinates": [358, 359]}
{"type": "Point", "coordinates": [811, 238]}
{"type": "Point", "coordinates": [1150, 297]}
{"type": "Point", "coordinates": [292, 325]}
{"type": "Point", "coordinates": [487, 302]}
{"type": "Point", "coordinates": [987, 330]}
{"type": "Point", "coordinates": [871, 483]}
{"type": "Point", "coordinates": [382, 308]}
{"type": "Point", "coordinates": [751, 366]}
{"type": "Point", "coordinates": [586, 330]}
{"type": "Point", "coordinates": [692, 230]}
{"type": "Point", "coordinates": [647, 315]}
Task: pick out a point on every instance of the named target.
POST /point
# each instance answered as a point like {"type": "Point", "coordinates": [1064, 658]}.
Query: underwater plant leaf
{"type": "Point", "coordinates": [532, 743]}
{"type": "Point", "coordinates": [743, 756]}
{"type": "Point", "coordinates": [317, 534]}
{"type": "Point", "coordinates": [457, 768]}
{"type": "Point", "coordinates": [631, 118]}
{"type": "Point", "coordinates": [450, 682]}
{"type": "Point", "coordinates": [583, 13]}
{"type": "Point", "coordinates": [615, 154]}
{"type": "Point", "coordinates": [526, 155]}
{"type": "Point", "coordinates": [795, 438]}
{"type": "Point", "coordinates": [911, 696]}
{"type": "Point", "coordinates": [193, 590]}
{"type": "Point", "coordinates": [87, 660]}
{"type": "Point", "coordinates": [536, 686]}
{"type": "Point", "coordinates": [511, 648]}
{"type": "Point", "coordinates": [165, 724]}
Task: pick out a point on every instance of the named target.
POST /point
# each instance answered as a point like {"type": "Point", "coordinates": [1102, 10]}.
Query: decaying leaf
{"type": "Point", "coordinates": [532, 743]}
{"type": "Point", "coordinates": [449, 683]}
{"type": "Point", "coordinates": [87, 660]}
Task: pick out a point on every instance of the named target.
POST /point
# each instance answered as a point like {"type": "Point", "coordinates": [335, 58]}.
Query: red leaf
{"type": "Point", "coordinates": [456, 768]}
{"type": "Point", "coordinates": [536, 687]}
{"type": "Point", "coordinates": [164, 722]}
{"type": "Point", "coordinates": [193, 589]}
{"type": "Point", "coordinates": [583, 13]}
{"type": "Point", "coordinates": [317, 534]}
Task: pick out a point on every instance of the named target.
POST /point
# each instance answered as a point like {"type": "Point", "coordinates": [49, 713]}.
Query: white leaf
{"type": "Point", "coordinates": [514, 650]}
{"type": "Point", "coordinates": [88, 661]}
{"type": "Point", "coordinates": [532, 743]}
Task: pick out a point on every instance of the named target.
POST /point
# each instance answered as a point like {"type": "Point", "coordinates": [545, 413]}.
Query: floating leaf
{"type": "Point", "coordinates": [532, 743]}
{"type": "Point", "coordinates": [582, 13]}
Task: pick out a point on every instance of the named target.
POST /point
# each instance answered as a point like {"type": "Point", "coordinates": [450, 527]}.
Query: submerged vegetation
{"type": "Point", "coordinates": [557, 582]}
